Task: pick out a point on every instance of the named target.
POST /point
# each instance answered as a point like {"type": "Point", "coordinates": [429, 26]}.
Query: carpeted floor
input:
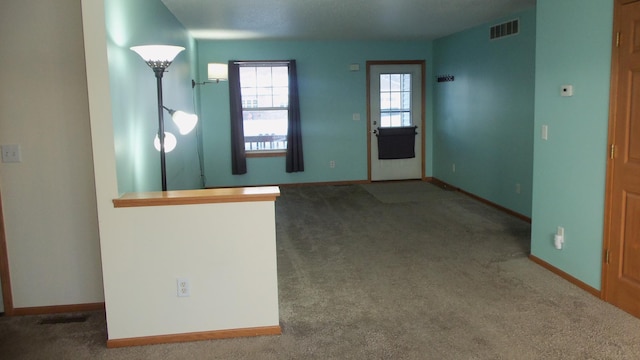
{"type": "Point", "coordinates": [387, 271]}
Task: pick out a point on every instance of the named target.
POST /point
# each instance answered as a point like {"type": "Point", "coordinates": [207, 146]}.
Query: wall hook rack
{"type": "Point", "coordinates": [445, 78]}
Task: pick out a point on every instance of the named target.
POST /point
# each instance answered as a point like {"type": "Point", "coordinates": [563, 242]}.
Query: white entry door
{"type": "Point", "coordinates": [395, 101]}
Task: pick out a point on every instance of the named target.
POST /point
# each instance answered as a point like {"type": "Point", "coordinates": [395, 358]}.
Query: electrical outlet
{"type": "Point", "coordinates": [453, 167]}
{"type": "Point", "coordinates": [184, 288]}
{"type": "Point", "coordinates": [332, 164]}
{"type": "Point", "coordinates": [558, 238]}
{"type": "Point", "coordinates": [518, 188]}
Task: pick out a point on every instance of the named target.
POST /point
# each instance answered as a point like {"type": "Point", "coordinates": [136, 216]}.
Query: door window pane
{"type": "Point", "coordinates": [395, 100]}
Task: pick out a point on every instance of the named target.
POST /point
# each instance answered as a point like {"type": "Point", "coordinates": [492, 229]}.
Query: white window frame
{"type": "Point", "coordinates": [254, 93]}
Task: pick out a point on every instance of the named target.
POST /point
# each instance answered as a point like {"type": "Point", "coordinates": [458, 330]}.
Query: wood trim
{"type": "Point", "coordinates": [613, 104]}
{"type": "Point", "coordinates": [444, 185]}
{"type": "Point", "coordinates": [320, 183]}
{"type": "Point", "coordinates": [58, 309]}
{"type": "Point", "coordinates": [423, 70]}
{"type": "Point", "coordinates": [202, 196]}
{"type": "Point", "coordinates": [327, 183]}
{"type": "Point", "coordinates": [368, 95]}
{"type": "Point", "coordinates": [566, 276]}
{"type": "Point", "coordinates": [195, 336]}
{"type": "Point", "coordinates": [5, 277]}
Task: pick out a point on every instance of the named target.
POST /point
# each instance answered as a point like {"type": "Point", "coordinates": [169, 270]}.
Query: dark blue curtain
{"type": "Point", "coordinates": [295, 160]}
{"type": "Point", "coordinates": [238, 155]}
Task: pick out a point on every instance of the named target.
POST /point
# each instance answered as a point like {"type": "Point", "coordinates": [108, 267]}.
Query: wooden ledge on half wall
{"type": "Point", "coordinates": [199, 196]}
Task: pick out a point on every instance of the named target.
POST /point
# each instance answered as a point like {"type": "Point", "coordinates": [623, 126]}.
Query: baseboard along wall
{"type": "Point", "coordinates": [566, 276]}
{"type": "Point", "coordinates": [195, 336]}
{"type": "Point", "coordinates": [56, 309]}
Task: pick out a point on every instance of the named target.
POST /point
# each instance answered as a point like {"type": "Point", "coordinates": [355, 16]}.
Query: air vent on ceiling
{"type": "Point", "coordinates": [508, 28]}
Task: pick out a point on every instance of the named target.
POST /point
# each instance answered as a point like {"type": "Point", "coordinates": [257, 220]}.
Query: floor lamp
{"type": "Point", "coordinates": [159, 57]}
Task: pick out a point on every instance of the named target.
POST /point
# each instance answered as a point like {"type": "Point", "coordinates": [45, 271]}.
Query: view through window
{"type": "Point", "coordinates": [395, 100]}
{"type": "Point", "coordinates": [265, 106]}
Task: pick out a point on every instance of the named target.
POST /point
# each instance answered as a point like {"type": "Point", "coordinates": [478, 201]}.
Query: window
{"type": "Point", "coordinates": [264, 89]}
{"type": "Point", "coordinates": [265, 113]}
{"type": "Point", "coordinates": [395, 100]}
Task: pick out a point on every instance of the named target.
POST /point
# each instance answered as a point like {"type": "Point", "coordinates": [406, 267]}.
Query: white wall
{"type": "Point", "coordinates": [49, 198]}
{"type": "Point", "coordinates": [232, 267]}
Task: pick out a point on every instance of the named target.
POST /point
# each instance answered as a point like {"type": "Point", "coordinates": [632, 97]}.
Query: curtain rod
{"type": "Point", "coordinates": [263, 62]}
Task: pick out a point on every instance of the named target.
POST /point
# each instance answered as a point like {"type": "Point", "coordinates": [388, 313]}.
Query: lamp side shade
{"type": "Point", "coordinates": [217, 72]}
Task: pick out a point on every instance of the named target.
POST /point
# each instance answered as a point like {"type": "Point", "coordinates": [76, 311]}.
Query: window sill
{"type": "Point", "coordinates": [266, 153]}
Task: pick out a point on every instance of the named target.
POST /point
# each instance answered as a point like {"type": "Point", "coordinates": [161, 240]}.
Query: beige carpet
{"type": "Point", "coordinates": [378, 272]}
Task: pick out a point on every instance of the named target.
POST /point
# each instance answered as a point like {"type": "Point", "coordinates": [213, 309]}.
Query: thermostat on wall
{"type": "Point", "coordinates": [566, 90]}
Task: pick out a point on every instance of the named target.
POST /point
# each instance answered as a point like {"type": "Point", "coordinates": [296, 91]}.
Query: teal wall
{"type": "Point", "coordinates": [573, 47]}
{"type": "Point", "coordinates": [329, 95]}
{"type": "Point", "coordinates": [134, 96]}
{"type": "Point", "coordinates": [483, 120]}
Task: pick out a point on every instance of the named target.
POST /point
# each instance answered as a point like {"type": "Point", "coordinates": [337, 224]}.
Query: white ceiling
{"type": "Point", "coordinates": [337, 19]}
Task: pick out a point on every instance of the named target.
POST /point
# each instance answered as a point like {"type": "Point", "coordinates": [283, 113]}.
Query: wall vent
{"type": "Point", "coordinates": [508, 28]}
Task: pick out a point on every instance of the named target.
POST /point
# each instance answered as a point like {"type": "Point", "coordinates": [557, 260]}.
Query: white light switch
{"type": "Point", "coordinates": [544, 133]}
{"type": "Point", "coordinates": [354, 67]}
{"type": "Point", "coordinates": [11, 153]}
{"type": "Point", "coordinates": [356, 116]}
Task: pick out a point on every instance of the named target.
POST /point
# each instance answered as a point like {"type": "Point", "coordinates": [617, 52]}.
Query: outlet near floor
{"type": "Point", "coordinates": [184, 288]}
{"type": "Point", "coordinates": [332, 164]}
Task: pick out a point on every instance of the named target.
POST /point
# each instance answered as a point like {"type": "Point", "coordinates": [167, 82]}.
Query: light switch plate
{"type": "Point", "coordinates": [11, 153]}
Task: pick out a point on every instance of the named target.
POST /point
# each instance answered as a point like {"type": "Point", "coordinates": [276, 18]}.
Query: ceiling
{"type": "Point", "coordinates": [337, 19]}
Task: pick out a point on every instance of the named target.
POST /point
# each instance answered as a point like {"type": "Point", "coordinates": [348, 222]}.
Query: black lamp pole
{"type": "Point", "coordinates": [159, 57]}
{"type": "Point", "coordinates": [159, 71]}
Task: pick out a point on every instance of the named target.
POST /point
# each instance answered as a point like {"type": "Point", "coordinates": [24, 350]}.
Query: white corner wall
{"type": "Point", "coordinates": [49, 198]}
{"type": "Point", "coordinates": [231, 268]}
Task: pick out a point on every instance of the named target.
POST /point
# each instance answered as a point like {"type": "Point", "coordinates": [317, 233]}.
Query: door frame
{"type": "Point", "coordinates": [5, 278]}
{"type": "Point", "coordinates": [613, 103]}
{"type": "Point", "coordinates": [423, 107]}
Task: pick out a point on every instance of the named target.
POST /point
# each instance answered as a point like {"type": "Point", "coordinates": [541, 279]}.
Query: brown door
{"type": "Point", "coordinates": [6, 298]}
{"type": "Point", "coordinates": [622, 273]}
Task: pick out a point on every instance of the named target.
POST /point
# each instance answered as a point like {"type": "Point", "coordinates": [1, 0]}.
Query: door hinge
{"type": "Point", "coordinates": [606, 256]}
{"type": "Point", "coordinates": [618, 39]}
{"type": "Point", "coordinates": [612, 151]}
